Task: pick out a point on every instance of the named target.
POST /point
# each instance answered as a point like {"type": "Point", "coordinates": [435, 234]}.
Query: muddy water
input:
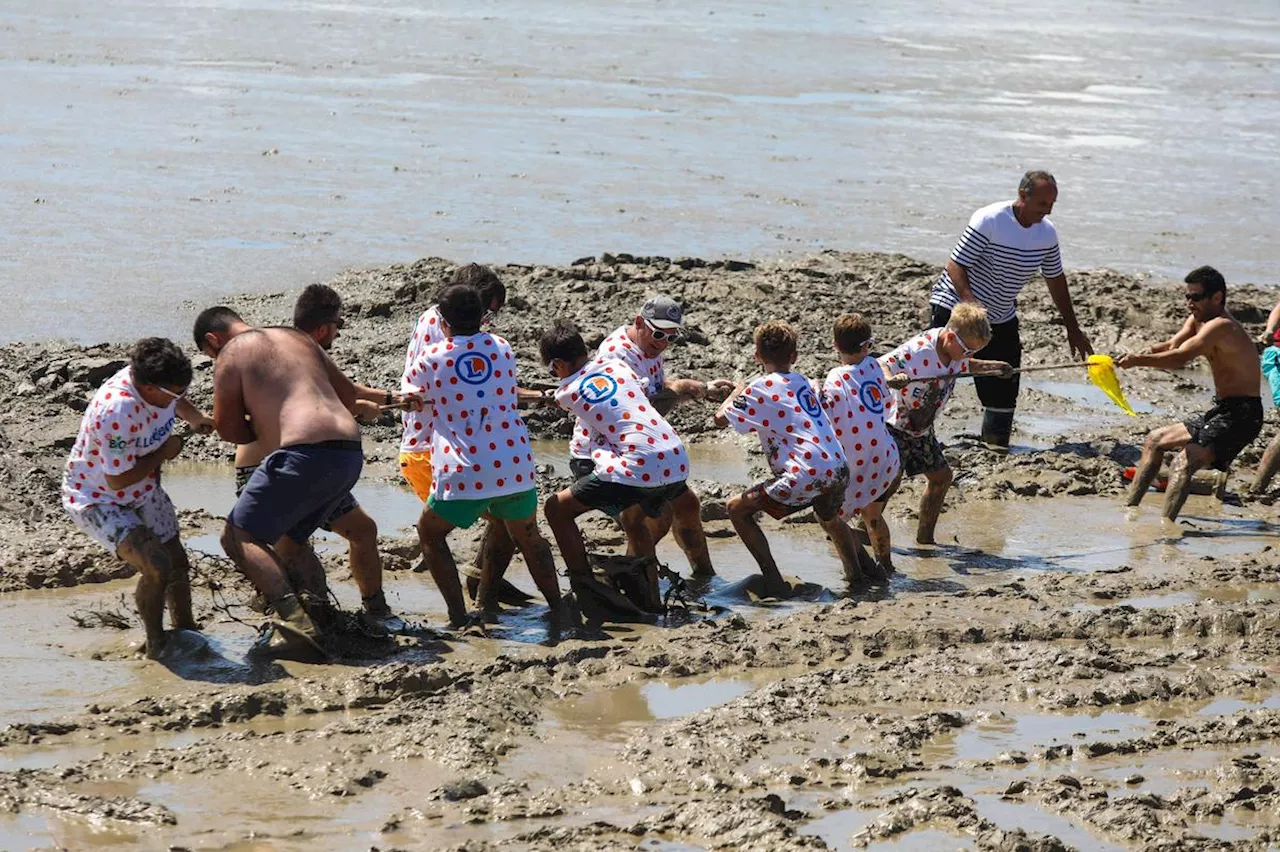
{"type": "Point", "coordinates": [381, 131]}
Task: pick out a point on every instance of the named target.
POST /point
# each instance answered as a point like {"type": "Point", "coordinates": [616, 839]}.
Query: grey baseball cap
{"type": "Point", "coordinates": [664, 313]}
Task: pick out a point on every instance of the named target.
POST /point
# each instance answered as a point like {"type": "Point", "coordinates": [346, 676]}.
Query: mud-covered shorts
{"type": "Point", "coordinates": [826, 504]}
{"type": "Point", "coordinates": [110, 523]}
{"type": "Point", "coordinates": [1227, 428]}
{"type": "Point", "coordinates": [614, 498]}
{"type": "Point", "coordinates": [345, 505]}
{"type": "Point", "coordinates": [919, 453]}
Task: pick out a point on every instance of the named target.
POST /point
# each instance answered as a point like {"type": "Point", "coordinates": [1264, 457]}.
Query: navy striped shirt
{"type": "Point", "coordinates": [1001, 257]}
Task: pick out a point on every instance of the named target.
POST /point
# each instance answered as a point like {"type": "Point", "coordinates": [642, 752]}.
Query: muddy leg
{"type": "Point", "coordinates": [1160, 441]}
{"type": "Point", "coordinates": [1268, 466]}
{"type": "Point", "coordinates": [1192, 457]}
{"type": "Point", "coordinates": [361, 532]}
{"type": "Point", "coordinates": [257, 562]}
{"type": "Point", "coordinates": [935, 492]}
{"type": "Point", "coordinates": [641, 544]}
{"type": "Point", "coordinates": [432, 530]}
{"type": "Point", "coordinates": [742, 510]}
{"type": "Point", "coordinates": [492, 559]}
{"type": "Point", "coordinates": [562, 510]}
{"type": "Point", "coordinates": [143, 551]}
{"type": "Point", "coordinates": [878, 533]}
{"type": "Point", "coordinates": [851, 554]}
{"type": "Point", "coordinates": [302, 564]}
{"type": "Point", "coordinates": [178, 588]}
{"type": "Point", "coordinates": [537, 557]}
{"type": "Point", "coordinates": [686, 512]}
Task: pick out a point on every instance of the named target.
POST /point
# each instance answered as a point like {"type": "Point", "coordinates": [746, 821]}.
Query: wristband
{"type": "Point", "coordinates": [390, 399]}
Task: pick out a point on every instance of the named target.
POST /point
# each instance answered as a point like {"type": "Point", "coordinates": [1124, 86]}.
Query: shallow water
{"type": "Point", "coordinates": [158, 151]}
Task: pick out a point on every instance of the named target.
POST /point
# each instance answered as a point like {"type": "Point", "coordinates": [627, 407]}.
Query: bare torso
{"type": "Point", "coordinates": [1233, 357]}
{"type": "Point", "coordinates": [287, 388]}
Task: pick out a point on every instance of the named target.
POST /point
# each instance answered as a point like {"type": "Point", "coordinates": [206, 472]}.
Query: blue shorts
{"type": "Point", "coordinates": [296, 489]}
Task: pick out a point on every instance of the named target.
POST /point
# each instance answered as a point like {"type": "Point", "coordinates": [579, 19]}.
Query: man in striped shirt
{"type": "Point", "coordinates": [1005, 245]}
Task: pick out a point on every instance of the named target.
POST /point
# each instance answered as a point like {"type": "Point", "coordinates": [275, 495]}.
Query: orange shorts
{"type": "Point", "coordinates": [416, 470]}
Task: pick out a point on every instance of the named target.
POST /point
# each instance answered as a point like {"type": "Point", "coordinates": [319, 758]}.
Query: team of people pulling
{"type": "Point", "coordinates": [839, 447]}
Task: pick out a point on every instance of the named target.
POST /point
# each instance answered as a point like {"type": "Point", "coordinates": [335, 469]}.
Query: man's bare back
{"type": "Point", "coordinates": [286, 385]}
{"type": "Point", "coordinates": [1232, 355]}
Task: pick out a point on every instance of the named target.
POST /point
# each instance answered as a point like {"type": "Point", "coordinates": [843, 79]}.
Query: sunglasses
{"type": "Point", "coordinates": [662, 333]}
{"type": "Point", "coordinates": [866, 344]}
{"type": "Point", "coordinates": [490, 317]}
{"type": "Point", "coordinates": [1195, 297]}
{"type": "Point", "coordinates": [964, 347]}
{"type": "Point", "coordinates": [174, 396]}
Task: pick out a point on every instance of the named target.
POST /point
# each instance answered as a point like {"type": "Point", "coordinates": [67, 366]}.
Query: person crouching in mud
{"type": "Point", "coordinates": [277, 386]}
{"type": "Point", "coordinates": [639, 464]}
{"type": "Point", "coordinates": [1215, 438]}
{"type": "Point", "coordinates": [111, 486]}
{"type": "Point", "coordinates": [805, 456]}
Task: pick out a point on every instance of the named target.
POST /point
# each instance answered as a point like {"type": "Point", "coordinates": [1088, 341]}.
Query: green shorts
{"type": "Point", "coordinates": [509, 507]}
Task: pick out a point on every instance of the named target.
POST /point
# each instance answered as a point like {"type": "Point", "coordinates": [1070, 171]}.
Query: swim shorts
{"type": "Point", "coordinates": [1227, 428]}
{"type": "Point", "coordinates": [110, 523]}
{"type": "Point", "coordinates": [613, 498]}
{"type": "Point", "coordinates": [509, 507]}
{"type": "Point", "coordinates": [416, 470]}
{"type": "Point", "coordinates": [346, 504]}
{"type": "Point", "coordinates": [296, 489]}
{"type": "Point", "coordinates": [919, 454]}
{"type": "Point", "coordinates": [826, 505]}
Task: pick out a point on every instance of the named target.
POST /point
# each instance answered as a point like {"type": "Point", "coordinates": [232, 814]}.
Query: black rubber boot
{"type": "Point", "coordinates": [997, 426]}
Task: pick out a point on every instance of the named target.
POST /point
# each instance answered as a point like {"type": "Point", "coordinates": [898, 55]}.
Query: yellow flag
{"type": "Point", "coordinates": [1102, 372]}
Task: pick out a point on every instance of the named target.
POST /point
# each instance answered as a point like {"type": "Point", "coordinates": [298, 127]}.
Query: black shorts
{"type": "Point", "coordinates": [919, 453]}
{"type": "Point", "coordinates": [579, 468]}
{"type": "Point", "coordinates": [613, 498]}
{"type": "Point", "coordinates": [345, 505]}
{"type": "Point", "coordinates": [1227, 428]}
{"type": "Point", "coordinates": [296, 489]}
{"type": "Point", "coordinates": [1005, 345]}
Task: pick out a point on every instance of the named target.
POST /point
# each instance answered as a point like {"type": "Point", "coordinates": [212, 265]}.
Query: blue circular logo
{"type": "Point", "coordinates": [808, 402]}
{"type": "Point", "coordinates": [473, 368]}
{"type": "Point", "coordinates": [872, 397]}
{"type": "Point", "coordinates": [598, 388]}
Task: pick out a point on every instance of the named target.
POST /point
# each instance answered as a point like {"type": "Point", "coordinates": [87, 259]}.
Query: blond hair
{"type": "Point", "coordinates": [969, 320]}
{"type": "Point", "coordinates": [775, 340]}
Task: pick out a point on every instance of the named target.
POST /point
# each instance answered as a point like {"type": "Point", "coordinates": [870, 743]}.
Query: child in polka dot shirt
{"type": "Point", "coordinates": [806, 459]}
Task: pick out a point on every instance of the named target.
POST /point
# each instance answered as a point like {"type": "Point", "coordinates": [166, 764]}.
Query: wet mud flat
{"type": "Point", "coordinates": [1057, 673]}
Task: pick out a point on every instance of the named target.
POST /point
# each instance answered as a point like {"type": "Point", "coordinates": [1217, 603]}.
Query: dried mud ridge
{"type": "Point", "coordinates": [880, 708]}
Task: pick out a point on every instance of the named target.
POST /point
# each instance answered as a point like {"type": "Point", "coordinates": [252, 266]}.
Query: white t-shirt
{"type": "Point", "coordinates": [803, 451]}
{"type": "Point", "coordinates": [618, 346]}
{"type": "Point", "coordinates": [855, 397]}
{"type": "Point", "coordinates": [631, 443]}
{"type": "Point", "coordinates": [117, 429]}
{"type": "Point", "coordinates": [912, 409]}
{"type": "Point", "coordinates": [479, 444]}
{"type": "Point", "coordinates": [428, 331]}
{"type": "Point", "coordinates": [1001, 257]}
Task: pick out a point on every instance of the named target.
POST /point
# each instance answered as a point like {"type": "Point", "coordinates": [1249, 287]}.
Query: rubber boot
{"type": "Point", "coordinates": [997, 426]}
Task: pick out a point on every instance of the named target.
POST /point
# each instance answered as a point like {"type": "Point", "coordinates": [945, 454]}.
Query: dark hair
{"type": "Point", "coordinates": [159, 361]}
{"type": "Point", "coordinates": [1208, 278]}
{"type": "Point", "coordinates": [460, 306]}
{"type": "Point", "coordinates": [1033, 177]}
{"type": "Point", "coordinates": [215, 319]}
{"type": "Point", "coordinates": [318, 305]}
{"type": "Point", "coordinates": [563, 341]}
{"type": "Point", "coordinates": [484, 280]}
{"type": "Point", "coordinates": [851, 331]}
{"type": "Point", "coordinates": [775, 340]}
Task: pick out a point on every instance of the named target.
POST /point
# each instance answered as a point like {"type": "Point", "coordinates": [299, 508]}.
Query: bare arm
{"type": "Point", "coordinates": [146, 465]}
{"type": "Point", "coordinates": [979, 367]}
{"type": "Point", "coordinates": [1273, 322]}
{"type": "Point", "coordinates": [960, 280]}
{"type": "Point", "coordinates": [1184, 353]}
{"type": "Point", "coordinates": [1076, 340]}
{"type": "Point", "coordinates": [196, 418]}
{"type": "Point", "coordinates": [230, 417]}
{"type": "Point", "coordinates": [1184, 334]}
{"type": "Point", "coordinates": [722, 413]}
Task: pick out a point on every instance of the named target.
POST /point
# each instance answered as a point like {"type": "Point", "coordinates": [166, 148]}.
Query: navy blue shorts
{"type": "Point", "coordinates": [296, 489]}
{"type": "Point", "coordinates": [346, 505]}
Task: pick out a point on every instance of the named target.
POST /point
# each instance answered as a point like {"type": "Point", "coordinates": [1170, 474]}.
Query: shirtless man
{"type": "Point", "coordinates": [111, 488]}
{"type": "Point", "coordinates": [276, 386]}
{"type": "Point", "coordinates": [642, 346]}
{"type": "Point", "coordinates": [1216, 437]}
{"type": "Point", "coordinates": [318, 313]}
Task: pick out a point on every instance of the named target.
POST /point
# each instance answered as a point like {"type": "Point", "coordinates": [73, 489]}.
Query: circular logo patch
{"type": "Point", "coordinates": [598, 388]}
{"type": "Point", "coordinates": [807, 401]}
{"type": "Point", "coordinates": [473, 368]}
{"type": "Point", "coordinates": [872, 397]}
